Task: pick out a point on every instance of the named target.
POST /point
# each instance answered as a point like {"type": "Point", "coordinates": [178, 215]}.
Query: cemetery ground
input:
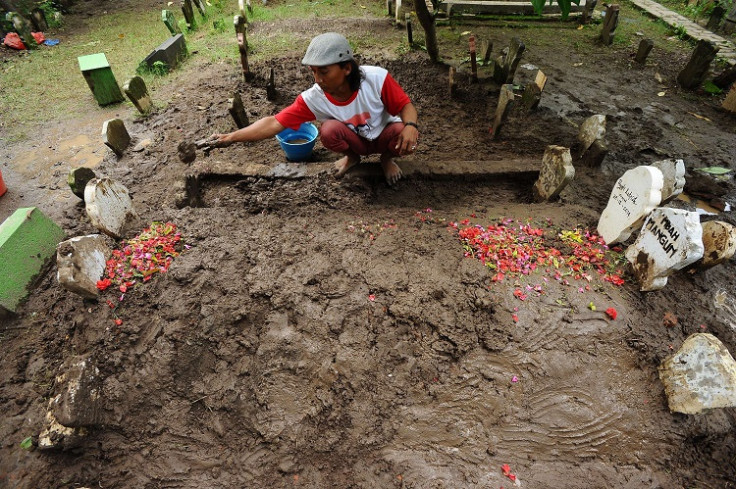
{"type": "Point", "coordinates": [316, 332]}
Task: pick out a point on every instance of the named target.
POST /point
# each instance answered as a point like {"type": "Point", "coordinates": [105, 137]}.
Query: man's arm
{"type": "Point", "coordinates": [261, 129]}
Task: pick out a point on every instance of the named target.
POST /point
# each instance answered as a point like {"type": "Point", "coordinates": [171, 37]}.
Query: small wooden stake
{"type": "Point", "coordinates": [487, 47]}
{"type": "Point", "coordinates": [452, 83]}
{"type": "Point", "coordinates": [240, 32]}
{"type": "Point", "coordinates": [409, 36]}
{"type": "Point", "coordinates": [473, 62]}
{"type": "Point", "coordinates": [271, 86]}
{"type": "Point", "coordinates": [645, 47]}
{"type": "Point", "coordinates": [610, 24]}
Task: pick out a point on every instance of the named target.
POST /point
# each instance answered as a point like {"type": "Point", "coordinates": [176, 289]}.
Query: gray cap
{"type": "Point", "coordinates": [327, 49]}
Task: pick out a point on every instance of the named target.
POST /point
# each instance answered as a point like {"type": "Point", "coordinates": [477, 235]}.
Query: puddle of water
{"type": "Point", "coordinates": [702, 207]}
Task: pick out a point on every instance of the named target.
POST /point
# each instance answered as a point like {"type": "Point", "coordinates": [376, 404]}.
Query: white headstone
{"type": "Point", "coordinates": [719, 241]}
{"type": "Point", "coordinates": [670, 240]}
{"type": "Point", "coordinates": [81, 263]}
{"type": "Point", "coordinates": [634, 195]}
{"type": "Point", "coordinates": [701, 375]}
{"type": "Point", "coordinates": [592, 129]}
{"type": "Point", "coordinates": [108, 206]}
{"type": "Point", "coordinates": [557, 171]}
{"type": "Point", "coordinates": [673, 172]}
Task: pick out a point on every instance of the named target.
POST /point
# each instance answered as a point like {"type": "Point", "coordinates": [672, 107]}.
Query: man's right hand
{"type": "Point", "coordinates": [216, 141]}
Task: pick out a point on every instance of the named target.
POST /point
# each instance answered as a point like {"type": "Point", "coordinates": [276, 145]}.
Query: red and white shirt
{"type": "Point", "coordinates": [367, 112]}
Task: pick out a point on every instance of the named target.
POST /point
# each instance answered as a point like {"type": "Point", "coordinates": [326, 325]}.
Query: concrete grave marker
{"type": "Point", "coordinates": [28, 242]}
{"type": "Point", "coordinates": [645, 47]}
{"type": "Point", "coordinates": [719, 243]}
{"type": "Point", "coordinates": [673, 172]}
{"type": "Point", "coordinates": [670, 240]}
{"type": "Point", "coordinates": [533, 92]}
{"type": "Point", "coordinates": [109, 206]}
{"type": "Point", "coordinates": [188, 11]}
{"type": "Point", "coordinates": [634, 196]}
{"type": "Point", "coordinates": [78, 179]}
{"type": "Point", "coordinates": [592, 129]}
{"type": "Point", "coordinates": [729, 103]}
{"type": "Point", "coordinates": [587, 13]}
{"type": "Point", "coordinates": [610, 23]}
{"type": "Point", "coordinates": [135, 89]}
{"type": "Point", "coordinates": [700, 376]}
{"type": "Point", "coordinates": [557, 171]}
{"type": "Point", "coordinates": [694, 73]}
{"type": "Point", "coordinates": [115, 136]}
{"type": "Point", "coordinates": [237, 111]}
{"type": "Point", "coordinates": [505, 102]}
{"type": "Point", "coordinates": [78, 403]}
{"type": "Point", "coordinates": [169, 52]}
{"type": "Point", "coordinates": [100, 79]}
{"type": "Point", "coordinates": [81, 263]}
{"type": "Point", "coordinates": [168, 17]}
{"type": "Point", "coordinates": [505, 67]}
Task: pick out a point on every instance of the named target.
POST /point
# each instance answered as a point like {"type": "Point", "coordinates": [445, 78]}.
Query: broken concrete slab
{"type": "Point", "coordinates": [78, 179]}
{"type": "Point", "coordinates": [109, 206]}
{"type": "Point", "coordinates": [694, 73]}
{"type": "Point", "coordinates": [670, 240]}
{"type": "Point", "coordinates": [635, 194]}
{"type": "Point", "coordinates": [700, 376]}
{"type": "Point", "coordinates": [673, 173]}
{"type": "Point", "coordinates": [81, 263]}
{"type": "Point", "coordinates": [556, 173]}
{"type": "Point", "coordinates": [505, 103]}
{"type": "Point", "coordinates": [137, 92]}
{"type": "Point", "coordinates": [78, 403]}
{"type": "Point", "coordinates": [719, 242]}
{"type": "Point", "coordinates": [115, 136]}
{"type": "Point", "coordinates": [28, 242]}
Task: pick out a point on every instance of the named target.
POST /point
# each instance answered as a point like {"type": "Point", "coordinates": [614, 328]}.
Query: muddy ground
{"type": "Point", "coordinates": [323, 333]}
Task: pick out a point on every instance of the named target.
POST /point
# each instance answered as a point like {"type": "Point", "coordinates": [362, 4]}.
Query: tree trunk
{"type": "Point", "coordinates": [430, 32]}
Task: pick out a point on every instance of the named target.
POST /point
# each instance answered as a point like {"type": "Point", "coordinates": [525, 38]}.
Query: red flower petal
{"type": "Point", "coordinates": [611, 313]}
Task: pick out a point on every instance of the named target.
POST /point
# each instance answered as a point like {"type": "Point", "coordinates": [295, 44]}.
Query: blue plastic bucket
{"type": "Point", "coordinates": [298, 144]}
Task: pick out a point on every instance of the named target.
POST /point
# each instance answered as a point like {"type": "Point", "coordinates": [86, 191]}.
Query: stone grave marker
{"type": "Point", "coordinates": [673, 172]}
{"type": "Point", "coordinates": [725, 78]}
{"type": "Point", "coordinates": [700, 376]}
{"type": "Point", "coordinates": [729, 103]}
{"type": "Point", "coordinates": [168, 17]}
{"type": "Point", "coordinates": [23, 27]}
{"type": "Point", "coordinates": [505, 67]}
{"type": "Point", "coordinates": [634, 196]}
{"type": "Point", "coordinates": [136, 91]}
{"type": "Point", "coordinates": [237, 111]}
{"type": "Point", "coordinates": [109, 206]}
{"type": "Point", "coordinates": [100, 79]}
{"type": "Point", "coordinates": [670, 240]}
{"type": "Point", "coordinates": [201, 7]}
{"type": "Point", "coordinates": [610, 23]}
{"type": "Point", "coordinates": [694, 73]}
{"type": "Point", "coordinates": [645, 47]}
{"type": "Point", "coordinates": [79, 401]}
{"type": "Point", "coordinates": [78, 179]}
{"type": "Point", "coordinates": [56, 436]}
{"type": "Point", "coordinates": [399, 17]}
{"type": "Point", "coordinates": [81, 263]}
{"type": "Point", "coordinates": [486, 47]}
{"type": "Point", "coordinates": [716, 15]}
{"type": "Point", "coordinates": [533, 92]}
{"type": "Point", "coordinates": [169, 52]}
{"type": "Point", "coordinates": [38, 19]}
{"type": "Point", "coordinates": [556, 173]}
{"type": "Point", "coordinates": [593, 128]}
{"type": "Point", "coordinates": [188, 11]}
{"type": "Point", "coordinates": [505, 102]}
{"type": "Point", "coordinates": [719, 243]}
{"type": "Point", "coordinates": [115, 136]}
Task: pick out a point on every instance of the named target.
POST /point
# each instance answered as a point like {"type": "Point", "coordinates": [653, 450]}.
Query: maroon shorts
{"type": "Point", "coordinates": [338, 137]}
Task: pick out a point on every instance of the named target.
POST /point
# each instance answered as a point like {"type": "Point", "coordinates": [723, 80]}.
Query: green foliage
{"type": "Point", "coordinates": [219, 25]}
{"type": "Point", "coordinates": [27, 443]}
{"type": "Point", "coordinates": [680, 32]}
{"type": "Point", "coordinates": [565, 6]}
{"type": "Point", "coordinates": [159, 68]}
{"type": "Point", "coordinates": [711, 88]}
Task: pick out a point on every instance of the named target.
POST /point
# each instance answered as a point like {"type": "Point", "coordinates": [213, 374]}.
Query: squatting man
{"type": "Point", "coordinates": [362, 110]}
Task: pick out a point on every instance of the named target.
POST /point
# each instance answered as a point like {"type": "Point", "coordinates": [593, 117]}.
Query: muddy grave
{"type": "Point", "coordinates": [333, 333]}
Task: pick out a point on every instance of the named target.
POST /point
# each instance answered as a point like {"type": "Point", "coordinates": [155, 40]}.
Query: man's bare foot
{"type": "Point", "coordinates": [391, 170]}
{"type": "Point", "coordinates": [344, 164]}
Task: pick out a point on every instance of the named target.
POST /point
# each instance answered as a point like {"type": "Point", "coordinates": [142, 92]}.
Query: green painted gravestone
{"type": "Point", "coordinates": [98, 75]}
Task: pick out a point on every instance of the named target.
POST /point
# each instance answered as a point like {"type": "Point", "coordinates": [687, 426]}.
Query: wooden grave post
{"type": "Point", "coordinates": [486, 47]}
{"type": "Point", "coordinates": [473, 62]}
{"type": "Point", "coordinates": [609, 24]}
{"type": "Point", "coordinates": [714, 21]}
{"type": "Point", "coordinates": [645, 47]}
{"type": "Point", "coordinates": [451, 80]}
{"type": "Point", "coordinates": [237, 111]}
{"type": "Point", "coordinates": [505, 102]}
{"type": "Point", "coordinates": [271, 92]}
{"type": "Point", "coordinates": [587, 13]}
{"type": "Point", "coordinates": [240, 32]}
{"type": "Point", "coordinates": [188, 11]}
{"type": "Point", "coordinates": [409, 35]}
